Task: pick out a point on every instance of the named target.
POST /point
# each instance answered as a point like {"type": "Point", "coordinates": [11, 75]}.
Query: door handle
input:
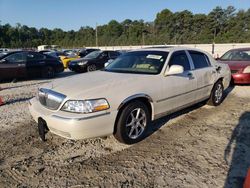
{"type": "Point", "coordinates": [218, 68]}
{"type": "Point", "coordinates": [190, 76]}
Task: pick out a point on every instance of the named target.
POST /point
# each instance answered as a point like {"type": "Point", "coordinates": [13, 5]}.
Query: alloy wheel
{"type": "Point", "coordinates": [136, 123]}
{"type": "Point", "coordinates": [218, 93]}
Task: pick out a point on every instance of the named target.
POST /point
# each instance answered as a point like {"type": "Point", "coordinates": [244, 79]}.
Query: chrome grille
{"type": "Point", "coordinates": [50, 99]}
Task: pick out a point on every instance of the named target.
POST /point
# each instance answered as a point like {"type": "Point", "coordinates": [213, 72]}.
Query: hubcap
{"type": "Point", "coordinates": [91, 68]}
{"type": "Point", "coordinates": [218, 93]}
{"type": "Point", "coordinates": [136, 123]}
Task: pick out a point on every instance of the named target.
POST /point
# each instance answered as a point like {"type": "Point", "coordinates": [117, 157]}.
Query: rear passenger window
{"type": "Point", "coordinates": [113, 55]}
{"type": "Point", "coordinates": [180, 58]}
{"type": "Point", "coordinates": [200, 60]}
{"type": "Point", "coordinates": [35, 56]}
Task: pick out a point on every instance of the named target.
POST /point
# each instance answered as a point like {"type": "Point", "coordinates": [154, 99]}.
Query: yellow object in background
{"type": "Point", "coordinates": [66, 60]}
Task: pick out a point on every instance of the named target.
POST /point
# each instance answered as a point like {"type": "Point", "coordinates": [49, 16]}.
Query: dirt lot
{"type": "Point", "coordinates": [199, 147]}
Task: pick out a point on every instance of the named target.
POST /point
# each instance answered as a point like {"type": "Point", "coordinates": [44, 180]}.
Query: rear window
{"type": "Point", "coordinates": [200, 60]}
{"type": "Point", "coordinates": [236, 55]}
{"type": "Point", "coordinates": [35, 56]}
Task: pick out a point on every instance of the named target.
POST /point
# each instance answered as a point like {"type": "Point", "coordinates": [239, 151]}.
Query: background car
{"type": "Point", "coordinates": [19, 64]}
{"type": "Point", "coordinates": [239, 62]}
{"type": "Point", "coordinates": [56, 54]}
{"type": "Point", "coordinates": [65, 55]}
{"type": "Point", "coordinates": [93, 61]}
{"type": "Point", "coordinates": [66, 59]}
{"type": "Point", "coordinates": [84, 52]}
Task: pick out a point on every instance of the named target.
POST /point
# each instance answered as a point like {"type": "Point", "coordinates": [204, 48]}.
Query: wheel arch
{"type": "Point", "coordinates": [146, 99]}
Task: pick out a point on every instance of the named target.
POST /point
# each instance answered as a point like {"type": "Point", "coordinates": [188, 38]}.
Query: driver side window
{"type": "Point", "coordinates": [16, 58]}
{"type": "Point", "coordinates": [180, 58]}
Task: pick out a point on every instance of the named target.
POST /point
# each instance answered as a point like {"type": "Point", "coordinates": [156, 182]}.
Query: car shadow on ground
{"type": "Point", "coordinates": [65, 74]}
{"type": "Point", "coordinates": [239, 148]}
{"type": "Point", "coordinates": [24, 85]}
{"type": "Point", "coordinates": [157, 124]}
{"type": "Point", "coordinates": [12, 101]}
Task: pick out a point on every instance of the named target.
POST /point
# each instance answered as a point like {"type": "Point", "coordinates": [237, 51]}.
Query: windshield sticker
{"type": "Point", "coordinates": [151, 56]}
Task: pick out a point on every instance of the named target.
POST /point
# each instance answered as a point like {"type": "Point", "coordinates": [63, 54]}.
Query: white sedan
{"type": "Point", "coordinates": [124, 98]}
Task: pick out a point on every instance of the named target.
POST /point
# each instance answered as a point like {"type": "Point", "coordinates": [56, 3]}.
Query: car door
{"type": "Point", "coordinates": [178, 90]}
{"type": "Point", "coordinates": [35, 63]}
{"type": "Point", "coordinates": [103, 58]}
{"type": "Point", "coordinates": [13, 66]}
{"type": "Point", "coordinates": [204, 72]}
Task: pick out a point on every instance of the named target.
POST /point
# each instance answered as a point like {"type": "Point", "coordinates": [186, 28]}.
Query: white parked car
{"type": "Point", "coordinates": [135, 89]}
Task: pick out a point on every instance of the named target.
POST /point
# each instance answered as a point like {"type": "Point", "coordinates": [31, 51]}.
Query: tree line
{"type": "Point", "coordinates": [220, 26]}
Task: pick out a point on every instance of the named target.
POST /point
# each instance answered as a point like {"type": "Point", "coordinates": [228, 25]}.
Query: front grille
{"type": "Point", "coordinates": [50, 99]}
{"type": "Point", "coordinates": [234, 71]}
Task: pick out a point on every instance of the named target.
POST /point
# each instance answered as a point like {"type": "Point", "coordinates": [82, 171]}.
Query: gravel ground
{"type": "Point", "coordinates": [201, 146]}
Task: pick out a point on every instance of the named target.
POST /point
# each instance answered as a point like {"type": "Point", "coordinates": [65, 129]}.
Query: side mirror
{"type": "Point", "coordinates": [217, 58]}
{"type": "Point", "coordinates": [174, 69]}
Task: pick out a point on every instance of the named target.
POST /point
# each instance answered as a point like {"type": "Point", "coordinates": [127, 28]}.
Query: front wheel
{"type": "Point", "coordinates": [216, 96]}
{"type": "Point", "coordinates": [132, 123]}
{"type": "Point", "coordinates": [91, 68]}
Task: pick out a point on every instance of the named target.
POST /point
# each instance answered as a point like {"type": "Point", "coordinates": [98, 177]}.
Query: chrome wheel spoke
{"type": "Point", "coordinates": [218, 93]}
{"type": "Point", "coordinates": [141, 126]}
{"type": "Point", "coordinates": [130, 124]}
{"type": "Point", "coordinates": [136, 132]}
{"type": "Point", "coordinates": [141, 118]}
{"type": "Point", "coordinates": [131, 131]}
{"type": "Point", "coordinates": [138, 113]}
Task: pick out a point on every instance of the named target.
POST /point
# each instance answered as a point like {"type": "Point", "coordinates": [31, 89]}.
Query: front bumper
{"type": "Point", "coordinates": [241, 78]}
{"type": "Point", "coordinates": [77, 68]}
{"type": "Point", "coordinates": [74, 126]}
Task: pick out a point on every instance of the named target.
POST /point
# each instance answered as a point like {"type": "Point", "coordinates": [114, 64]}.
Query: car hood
{"type": "Point", "coordinates": [101, 84]}
{"type": "Point", "coordinates": [236, 65]}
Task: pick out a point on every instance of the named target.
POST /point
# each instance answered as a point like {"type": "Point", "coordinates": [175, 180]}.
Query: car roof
{"type": "Point", "coordinates": [169, 49]}
{"type": "Point", "coordinates": [239, 49]}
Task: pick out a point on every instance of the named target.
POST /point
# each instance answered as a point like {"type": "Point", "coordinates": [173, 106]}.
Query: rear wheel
{"type": "Point", "coordinates": [48, 72]}
{"type": "Point", "coordinates": [91, 68]}
{"type": "Point", "coordinates": [216, 96]}
{"type": "Point", "coordinates": [132, 123]}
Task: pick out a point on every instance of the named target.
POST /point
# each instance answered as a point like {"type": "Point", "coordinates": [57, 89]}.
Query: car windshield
{"type": "Point", "coordinates": [139, 62]}
{"type": "Point", "coordinates": [236, 55]}
{"type": "Point", "coordinates": [93, 54]}
{"type": "Point", "coordinates": [3, 54]}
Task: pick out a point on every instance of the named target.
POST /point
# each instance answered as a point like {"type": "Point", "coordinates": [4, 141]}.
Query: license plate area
{"type": "Point", "coordinates": [42, 128]}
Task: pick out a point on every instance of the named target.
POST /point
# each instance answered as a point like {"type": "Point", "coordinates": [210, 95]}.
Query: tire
{"type": "Point", "coordinates": [91, 68]}
{"type": "Point", "coordinates": [216, 96]}
{"type": "Point", "coordinates": [129, 128]}
{"type": "Point", "coordinates": [48, 72]}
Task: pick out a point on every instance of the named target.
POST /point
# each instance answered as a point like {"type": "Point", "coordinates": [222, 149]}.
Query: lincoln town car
{"type": "Point", "coordinates": [135, 89]}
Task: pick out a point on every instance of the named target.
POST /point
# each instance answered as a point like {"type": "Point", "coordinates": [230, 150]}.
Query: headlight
{"type": "Point", "coordinates": [82, 63]}
{"type": "Point", "coordinates": [247, 70]}
{"type": "Point", "coordinates": [85, 106]}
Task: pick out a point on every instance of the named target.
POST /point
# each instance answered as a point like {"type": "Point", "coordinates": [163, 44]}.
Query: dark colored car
{"type": "Point", "coordinates": [20, 64]}
{"type": "Point", "coordinates": [94, 61]}
{"type": "Point", "coordinates": [239, 62]}
{"type": "Point", "coordinates": [56, 54]}
{"type": "Point", "coordinates": [85, 52]}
